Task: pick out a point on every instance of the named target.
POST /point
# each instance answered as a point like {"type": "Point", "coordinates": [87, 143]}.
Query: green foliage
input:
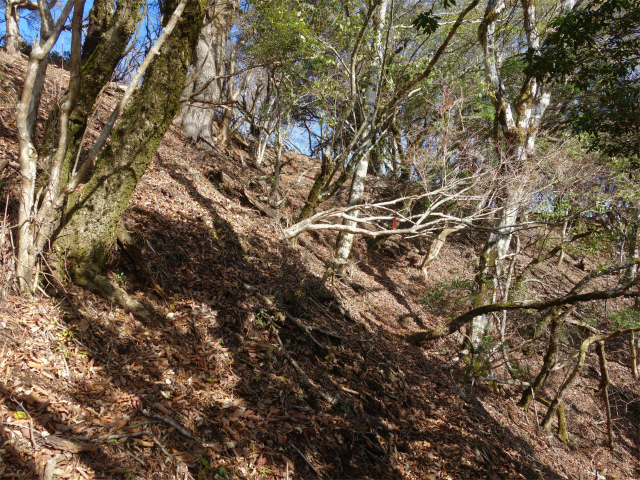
{"type": "Point", "coordinates": [594, 49]}
{"type": "Point", "coordinates": [449, 296]}
{"type": "Point", "coordinates": [625, 318]}
{"type": "Point", "coordinates": [426, 23]}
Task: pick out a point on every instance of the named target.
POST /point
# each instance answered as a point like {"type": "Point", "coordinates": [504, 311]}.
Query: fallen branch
{"type": "Point", "coordinates": [169, 421]}
{"type": "Point", "coordinates": [304, 327]}
{"type": "Point", "coordinates": [305, 377]}
{"type": "Point", "coordinates": [311, 328]}
{"type": "Point", "coordinates": [507, 381]}
{"type": "Point", "coordinates": [307, 460]}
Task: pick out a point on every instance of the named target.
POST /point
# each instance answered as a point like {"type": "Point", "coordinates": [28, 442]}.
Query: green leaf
{"type": "Point", "coordinates": [19, 415]}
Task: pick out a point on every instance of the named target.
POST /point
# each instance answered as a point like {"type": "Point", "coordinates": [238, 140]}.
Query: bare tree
{"type": "Point", "coordinates": [208, 73]}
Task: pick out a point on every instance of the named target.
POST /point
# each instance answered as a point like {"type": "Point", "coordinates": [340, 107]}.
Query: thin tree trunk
{"type": "Point", "coordinates": [557, 314]}
{"type": "Point", "coordinates": [633, 355]}
{"type": "Point", "coordinates": [356, 195]}
{"type": "Point", "coordinates": [563, 239]}
{"type": "Point", "coordinates": [435, 247]}
{"type": "Point", "coordinates": [26, 115]}
{"type": "Point", "coordinates": [491, 262]}
{"type": "Point", "coordinates": [604, 386]}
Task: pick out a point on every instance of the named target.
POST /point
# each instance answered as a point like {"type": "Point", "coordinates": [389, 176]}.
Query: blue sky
{"type": "Point", "coordinates": [29, 33]}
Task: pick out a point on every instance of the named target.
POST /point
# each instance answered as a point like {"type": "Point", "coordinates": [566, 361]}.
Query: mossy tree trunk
{"type": "Point", "coordinates": [90, 225]}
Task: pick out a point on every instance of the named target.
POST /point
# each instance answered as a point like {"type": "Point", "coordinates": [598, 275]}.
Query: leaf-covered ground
{"type": "Point", "coordinates": [223, 384]}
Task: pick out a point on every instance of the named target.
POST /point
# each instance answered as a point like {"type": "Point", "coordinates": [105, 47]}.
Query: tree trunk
{"type": "Point", "coordinates": [563, 240]}
{"type": "Point", "coordinates": [490, 268]}
{"type": "Point", "coordinates": [345, 240]}
{"type": "Point", "coordinates": [204, 89]}
{"type": "Point", "coordinates": [12, 22]}
{"type": "Point", "coordinates": [633, 355]}
{"type": "Point", "coordinates": [604, 386]}
{"type": "Point", "coordinates": [519, 132]}
{"type": "Point", "coordinates": [435, 247]}
{"type": "Point", "coordinates": [90, 225]}
{"type": "Point", "coordinates": [550, 359]}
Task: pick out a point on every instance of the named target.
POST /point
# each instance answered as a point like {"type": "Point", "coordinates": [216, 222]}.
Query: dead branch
{"type": "Point", "coordinates": [168, 421]}
{"type": "Point", "coordinates": [307, 460]}
{"type": "Point", "coordinates": [305, 378]}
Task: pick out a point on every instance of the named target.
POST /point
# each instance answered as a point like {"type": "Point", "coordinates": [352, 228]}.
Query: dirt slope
{"type": "Point", "coordinates": [206, 390]}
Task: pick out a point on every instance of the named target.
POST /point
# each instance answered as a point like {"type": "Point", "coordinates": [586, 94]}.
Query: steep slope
{"type": "Point", "coordinates": [226, 384]}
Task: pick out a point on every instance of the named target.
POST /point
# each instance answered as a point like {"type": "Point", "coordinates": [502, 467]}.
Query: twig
{"type": "Point", "coordinates": [169, 421]}
{"type": "Point", "coordinates": [307, 460]}
{"type": "Point", "coordinates": [305, 377]}
{"type": "Point", "coordinates": [109, 359]}
{"type": "Point", "coordinates": [164, 450]}
{"type": "Point", "coordinates": [103, 438]}
{"type": "Point", "coordinates": [31, 436]}
{"type": "Point", "coordinates": [51, 466]}
{"type": "Point", "coordinates": [311, 328]}
{"type": "Point", "coordinates": [507, 381]}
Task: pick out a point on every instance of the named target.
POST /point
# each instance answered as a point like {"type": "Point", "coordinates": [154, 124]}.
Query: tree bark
{"type": "Point", "coordinates": [356, 195]}
{"type": "Point", "coordinates": [90, 225]}
{"type": "Point", "coordinates": [12, 21]}
{"type": "Point", "coordinates": [204, 88]}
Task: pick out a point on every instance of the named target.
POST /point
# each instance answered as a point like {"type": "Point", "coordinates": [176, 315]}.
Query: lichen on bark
{"type": "Point", "coordinates": [90, 225]}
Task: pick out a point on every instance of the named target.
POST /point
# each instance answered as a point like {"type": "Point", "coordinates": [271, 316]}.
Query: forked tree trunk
{"type": "Point", "coordinates": [519, 124]}
{"type": "Point", "coordinates": [345, 240]}
{"type": "Point", "coordinates": [557, 314]}
{"type": "Point", "coordinates": [91, 224]}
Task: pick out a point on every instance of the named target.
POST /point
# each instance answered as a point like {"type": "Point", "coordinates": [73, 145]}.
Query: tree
{"type": "Point", "coordinates": [82, 222]}
{"type": "Point", "coordinates": [594, 52]}
{"type": "Point", "coordinates": [519, 124]}
{"type": "Point", "coordinates": [12, 22]}
{"type": "Point", "coordinates": [205, 85]}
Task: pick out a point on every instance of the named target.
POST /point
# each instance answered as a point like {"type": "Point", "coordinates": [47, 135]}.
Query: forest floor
{"type": "Point", "coordinates": [223, 385]}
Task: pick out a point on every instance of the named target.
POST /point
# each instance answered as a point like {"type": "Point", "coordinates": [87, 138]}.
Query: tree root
{"type": "Point", "coordinates": [103, 286]}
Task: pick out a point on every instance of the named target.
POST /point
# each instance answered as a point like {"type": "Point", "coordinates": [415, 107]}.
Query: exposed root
{"type": "Point", "coordinates": [103, 286]}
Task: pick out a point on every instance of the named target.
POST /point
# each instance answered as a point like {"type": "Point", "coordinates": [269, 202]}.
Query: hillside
{"type": "Point", "coordinates": [252, 370]}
